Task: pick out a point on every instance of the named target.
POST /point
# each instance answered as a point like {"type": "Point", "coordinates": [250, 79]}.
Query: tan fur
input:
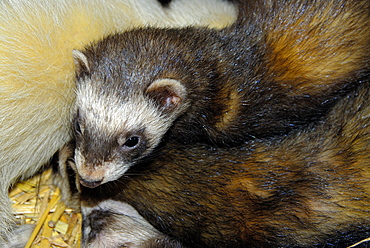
{"type": "Point", "coordinates": [310, 49]}
{"type": "Point", "coordinates": [231, 111]}
{"type": "Point", "coordinates": [303, 48]}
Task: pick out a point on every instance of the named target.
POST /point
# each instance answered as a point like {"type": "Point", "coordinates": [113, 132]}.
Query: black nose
{"type": "Point", "coordinates": [90, 184]}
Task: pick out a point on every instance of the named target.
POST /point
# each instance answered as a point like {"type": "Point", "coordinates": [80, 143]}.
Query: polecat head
{"type": "Point", "coordinates": [119, 118]}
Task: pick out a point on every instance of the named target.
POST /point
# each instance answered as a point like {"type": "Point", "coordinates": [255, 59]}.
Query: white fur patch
{"type": "Point", "coordinates": [127, 227]}
{"type": "Point", "coordinates": [116, 206]}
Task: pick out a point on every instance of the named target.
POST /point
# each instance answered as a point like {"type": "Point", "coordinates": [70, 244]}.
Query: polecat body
{"type": "Point", "coordinates": [282, 65]}
{"type": "Point", "coordinates": [309, 189]}
{"type": "Point", "coordinates": [37, 70]}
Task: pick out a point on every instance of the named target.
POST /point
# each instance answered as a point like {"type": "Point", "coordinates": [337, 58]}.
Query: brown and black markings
{"type": "Point", "coordinates": [309, 189]}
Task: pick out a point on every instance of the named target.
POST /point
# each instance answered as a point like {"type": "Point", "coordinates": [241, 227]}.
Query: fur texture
{"type": "Point", "coordinates": [138, 232]}
{"type": "Point", "coordinates": [309, 189]}
{"type": "Point", "coordinates": [37, 69]}
{"type": "Point", "coordinates": [282, 65]}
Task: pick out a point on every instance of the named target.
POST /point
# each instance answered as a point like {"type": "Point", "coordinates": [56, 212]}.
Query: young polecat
{"type": "Point", "coordinates": [282, 65]}
{"type": "Point", "coordinates": [310, 189]}
{"type": "Point", "coordinates": [37, 70]}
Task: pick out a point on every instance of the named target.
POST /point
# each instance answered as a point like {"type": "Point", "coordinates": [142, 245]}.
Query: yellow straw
{"type": "Point", "coordinates": [54, 200]}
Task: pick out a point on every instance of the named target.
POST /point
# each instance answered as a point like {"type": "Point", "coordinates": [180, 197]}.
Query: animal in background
{"type": "Point", "coordinates": [37, 69]}
{"type": "Point", "coordinates": [280, 66]}
{"type": "Point", "coordinates": [308, 189]}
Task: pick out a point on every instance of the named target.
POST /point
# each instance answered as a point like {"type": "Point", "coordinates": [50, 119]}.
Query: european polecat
{"type": "Point", "coordinates": [282, 65]}
{"type": "Point", "coordinates": [310, 189]}
{"type": "Point", "coordinates": [37, 70]}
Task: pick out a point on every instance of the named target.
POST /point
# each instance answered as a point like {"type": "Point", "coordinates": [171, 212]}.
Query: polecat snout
{"type": "Point", "coordinates": [309, 189]}
{"type": "Point", "coordinates": [282, 65]}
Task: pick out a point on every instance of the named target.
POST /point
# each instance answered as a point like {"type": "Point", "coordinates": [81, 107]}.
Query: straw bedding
{"type": "Point", "coordinates": [37, 201]}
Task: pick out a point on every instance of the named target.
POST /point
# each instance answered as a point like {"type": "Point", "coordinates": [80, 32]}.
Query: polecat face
{"type": "Point", "coordinates": [115, 127]}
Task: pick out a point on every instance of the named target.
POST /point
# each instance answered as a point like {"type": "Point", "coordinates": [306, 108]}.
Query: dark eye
{"type": "Point", "coordinates": [132, 142]}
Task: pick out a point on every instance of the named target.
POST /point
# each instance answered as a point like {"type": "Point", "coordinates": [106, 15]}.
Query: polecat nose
{"type": "Point", "coordinates": [90, 184]}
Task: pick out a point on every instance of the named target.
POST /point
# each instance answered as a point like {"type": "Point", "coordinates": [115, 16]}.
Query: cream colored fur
{"type": "Point", "coordinates": [37, 69]}
{"type": "Point", "coordinates": [125, 227]}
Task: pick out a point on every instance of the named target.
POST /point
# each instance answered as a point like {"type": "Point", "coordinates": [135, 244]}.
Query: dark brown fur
{"type": "Point", "coordinates": [310, 189]}
{"type": "Point", "coordinates": [282, 65]}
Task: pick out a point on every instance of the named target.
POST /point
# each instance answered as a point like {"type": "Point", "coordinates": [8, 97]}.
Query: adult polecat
{"type": "Point", "coordinates": [37, 70]}
{"type": "Point", "coordinates": [310, 189]}
{"type": "Point", "coordinates": [282, 65]}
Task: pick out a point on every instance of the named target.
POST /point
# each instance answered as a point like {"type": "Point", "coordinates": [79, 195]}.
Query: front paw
{"type": "Point", "coordinates": [65, 177]}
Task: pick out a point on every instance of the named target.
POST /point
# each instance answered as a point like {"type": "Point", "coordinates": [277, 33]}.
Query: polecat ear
{"type": "Point", "coordinates": [167, 93]}
{"type": "Point", "coordinates": [81, 63]}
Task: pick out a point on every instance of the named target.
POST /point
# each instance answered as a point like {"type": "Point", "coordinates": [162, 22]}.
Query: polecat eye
{"type": "Point", "coordinates": [132, 142]}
